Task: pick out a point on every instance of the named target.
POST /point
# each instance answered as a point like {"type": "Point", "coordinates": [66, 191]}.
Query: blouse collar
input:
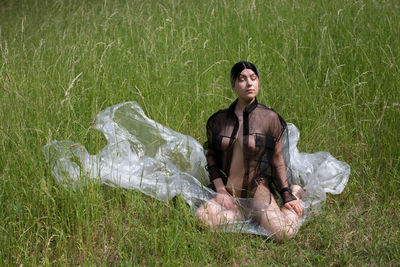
{"type": "Point", "coordinates": [248, 109]}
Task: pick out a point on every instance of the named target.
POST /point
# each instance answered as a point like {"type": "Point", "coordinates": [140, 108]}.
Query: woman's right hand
{"type": "Point", "coordinates": [225, 199]}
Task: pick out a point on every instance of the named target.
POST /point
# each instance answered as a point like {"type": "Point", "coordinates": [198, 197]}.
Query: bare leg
{"type": "Point", "coordinates": [291, 216]}
{"type": "Point", "coordinates": [282, 223]}
{"type": "Point", "coordinates": [213, 214]}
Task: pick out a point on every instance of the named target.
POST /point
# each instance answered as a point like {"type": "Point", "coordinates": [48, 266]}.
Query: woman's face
{"type": "Point", "coordinates": [246, 86]}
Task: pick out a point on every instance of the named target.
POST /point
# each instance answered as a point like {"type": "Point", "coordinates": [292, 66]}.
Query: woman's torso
{"type": "Point", "coordinates": [245, 145]}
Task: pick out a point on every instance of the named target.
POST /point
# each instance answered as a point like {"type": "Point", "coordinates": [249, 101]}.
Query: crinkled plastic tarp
{"type": "Point", "coordinates": [145, 155]}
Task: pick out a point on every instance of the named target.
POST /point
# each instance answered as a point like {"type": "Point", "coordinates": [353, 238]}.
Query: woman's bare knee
{"type": "Point", "coordinates": [281, 224]}
{"type": "Point", "coordinates": [212, 214]}
{"type": "Point", "coordinates": [205, 215]}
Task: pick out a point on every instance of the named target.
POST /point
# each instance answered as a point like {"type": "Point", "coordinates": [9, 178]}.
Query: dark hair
{"type": "Point", "coordinates": [239, 67]}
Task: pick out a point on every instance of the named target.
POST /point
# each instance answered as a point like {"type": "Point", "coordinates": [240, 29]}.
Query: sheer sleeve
{"type": "Point", "coordinates": [211, 154]}
{"type": "Point", "coordinates": [278, 163]}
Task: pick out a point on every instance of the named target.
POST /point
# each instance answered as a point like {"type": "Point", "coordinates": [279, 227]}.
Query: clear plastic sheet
{"type": "Point", "coordinates": [145, 155]}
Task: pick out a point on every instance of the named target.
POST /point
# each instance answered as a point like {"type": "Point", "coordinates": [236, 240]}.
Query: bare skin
{"type": "Point", "coordinates": [282, 222]}
{"type": "Point", "coordinates": [234, 183]}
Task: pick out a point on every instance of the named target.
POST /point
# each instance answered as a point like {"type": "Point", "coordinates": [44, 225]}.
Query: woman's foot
{"type": "Point", "coordinates": [297, 191]}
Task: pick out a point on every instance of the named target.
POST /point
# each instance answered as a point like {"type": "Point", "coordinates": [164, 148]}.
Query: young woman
{"type": "Point", "coordinates": [244, 159]}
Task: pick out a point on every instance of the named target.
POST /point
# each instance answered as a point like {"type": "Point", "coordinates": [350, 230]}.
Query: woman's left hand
{"type": "Point", "coordinates": [295, 205]}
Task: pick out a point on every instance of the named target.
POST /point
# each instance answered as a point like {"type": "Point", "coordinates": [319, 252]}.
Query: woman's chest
{"type": "Point", "coordinates": [251, 137]}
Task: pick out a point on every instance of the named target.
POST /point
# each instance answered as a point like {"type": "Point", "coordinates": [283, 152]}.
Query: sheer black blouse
{"type": "Point", "coordinates": [262, 129]}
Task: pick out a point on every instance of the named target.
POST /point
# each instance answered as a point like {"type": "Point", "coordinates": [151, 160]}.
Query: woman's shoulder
{"type": "Point", "coordinates": [266, 109]}
{"type": "Point", "coordinates": [268, 112]}
{"type": "Point", "coordinates": [219, 118]}
{"type": "Point", "coordinates": [220, 113]}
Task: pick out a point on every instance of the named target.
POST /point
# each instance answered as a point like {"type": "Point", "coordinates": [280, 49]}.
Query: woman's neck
{"type": "Point", "coordinates": [242, 104]}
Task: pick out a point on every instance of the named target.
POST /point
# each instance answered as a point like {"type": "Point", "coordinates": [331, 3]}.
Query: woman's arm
{"type": "Point", "coordinates": [278, 164]}
{"type": "Point", "coordinates": [219, 186]}
{"type": "Point", "coordinates": [223, 197]}
{"type": "Point", "coordinates": [212, 155]}
{"type": "Point", "coordinates": [215, 174]}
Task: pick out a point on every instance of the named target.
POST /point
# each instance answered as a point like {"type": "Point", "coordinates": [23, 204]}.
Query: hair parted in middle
{"type": "Point", "coordinates": [239, 67]}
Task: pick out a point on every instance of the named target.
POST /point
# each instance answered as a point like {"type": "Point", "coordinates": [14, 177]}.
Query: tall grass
{"type": "Point", "coordinates": [330, 67]}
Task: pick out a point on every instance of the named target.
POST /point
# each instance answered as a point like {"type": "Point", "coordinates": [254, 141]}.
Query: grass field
{"type": "Point", "coordinates": [330, 67]}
